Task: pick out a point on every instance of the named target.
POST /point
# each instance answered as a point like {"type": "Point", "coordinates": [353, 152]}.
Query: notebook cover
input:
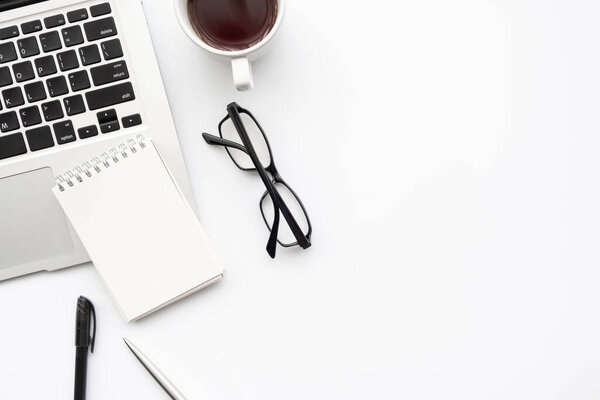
{"type": "Point", "coordinates": [138, 229]}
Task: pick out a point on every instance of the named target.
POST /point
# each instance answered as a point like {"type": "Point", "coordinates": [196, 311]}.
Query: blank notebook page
{"type": "Point", "coordinates": [138, 229]}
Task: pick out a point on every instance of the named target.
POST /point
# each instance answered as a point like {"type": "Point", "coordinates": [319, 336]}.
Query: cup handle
{"type": "Point", "coordinates": [242, 73]}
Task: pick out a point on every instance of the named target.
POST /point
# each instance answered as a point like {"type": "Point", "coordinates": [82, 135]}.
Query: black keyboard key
{"type": "Point", "coordinates": [109, 73]}
{"type": "Point", "coordinates": [45, 66]}
{"type": "Point", "coordinates": [89, 55]}
{"type": "Point", "coordinates": [106, 116]}
{"type": "Point", "coordinates": [72, 35]}
{"type": "Point", "coordinates": [100, 9]}
{"type": "Point", "coordinates": [112, 49]}
{"type": "Point", "coordinates": [12, 145]}
{"type": "Point", "coordinates": [9, 121]}
{"type": "Point", "coordinates": [35, 92]}
{"type": "Point", "coordinates": [64, 132]}
{"type": "Point", "coordinates": [30, 116]}
{"type": "Point", "coordinates": [9, 32]}
{"type": "Point", "coordinates": [50, 41]}
{"type": "Point", "coordinates": [13, 97]}
{"type": "Point", "coordinates": [74, 105]}
{"type": "Point", "coordinates": [52, 110]}
{"type": "Point", "coordinates": [131, 120]}
{"type": "Point", "coordinates": [67, 60]}
{"type": "Point", "coordinates": [30, 27]}
{"type": "Point", "coordinates": [79, 81]}
{"type": "Point", "coordinates": [23, 71]}
{"type": "Point", "coordinates": [110, 96]}
{"type": "Point", "coordinates": [77, 15]}
{"type": "Point", "coordinates": [5, 77]}
{"type": "Point", "coordinates": [110, 126]}
{"type": "Point", "coordinates": [55, 20]}
{"type": "Point", "coordinates": [57, 86]}
{"type": "Point", "coordinates": [87, 132]}
{"type": "Point", "coordinates": [100, 29]}
{"type": "Point", "coordinates": [7, 52]}
{"type": "Point", "coordinates": [28, 47]}
{"type": "Point", "coordinates": [39, 138]}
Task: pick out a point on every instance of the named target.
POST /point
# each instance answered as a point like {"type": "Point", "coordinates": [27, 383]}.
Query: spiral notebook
{"type": "Point", "coordinates": [138, 229]}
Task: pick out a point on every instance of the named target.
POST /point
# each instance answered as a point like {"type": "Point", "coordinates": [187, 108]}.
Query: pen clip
{"type": "Point", "coordinates": [93, 338]}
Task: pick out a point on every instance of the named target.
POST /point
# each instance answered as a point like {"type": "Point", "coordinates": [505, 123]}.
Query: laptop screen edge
{"type": "Point", "coordinates": [6, 5]}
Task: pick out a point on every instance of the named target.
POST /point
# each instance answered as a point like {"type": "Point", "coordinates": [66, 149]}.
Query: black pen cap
{"type": "Point", "coordinates": [83, 323]}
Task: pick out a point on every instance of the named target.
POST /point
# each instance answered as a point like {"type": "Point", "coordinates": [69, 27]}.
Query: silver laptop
{"type": "Point", "coordinates": [76, 79]}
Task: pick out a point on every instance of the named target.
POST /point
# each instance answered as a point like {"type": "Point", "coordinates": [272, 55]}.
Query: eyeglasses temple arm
{"type": "Point", "coordinates": [272, 243]}
{"type": "Point", "coordinates": [293, 224]}
{"type": "Point", "coordinates": [217, 141]}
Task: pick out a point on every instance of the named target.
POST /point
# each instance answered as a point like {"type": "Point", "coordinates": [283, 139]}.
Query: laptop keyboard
{"type": "Point", "coordinates": [43, 81]}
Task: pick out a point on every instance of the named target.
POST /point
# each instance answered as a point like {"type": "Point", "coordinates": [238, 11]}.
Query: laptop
{"type": "Point", "coordinates": [76, 79]}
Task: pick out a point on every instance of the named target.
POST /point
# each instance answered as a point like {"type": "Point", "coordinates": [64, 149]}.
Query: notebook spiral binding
{"type": "Point", "coordinates": [98, 164]}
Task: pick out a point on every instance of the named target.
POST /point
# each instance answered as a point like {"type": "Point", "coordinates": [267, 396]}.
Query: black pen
{"type": "Point", "coordinates": [83, 340]}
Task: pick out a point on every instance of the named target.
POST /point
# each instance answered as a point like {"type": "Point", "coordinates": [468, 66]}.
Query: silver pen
{"type": "Point", "coordinates": [162, 380]}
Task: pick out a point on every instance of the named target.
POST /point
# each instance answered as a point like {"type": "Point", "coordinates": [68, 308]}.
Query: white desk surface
{"type": "Point", "coordinates": [448, 154]}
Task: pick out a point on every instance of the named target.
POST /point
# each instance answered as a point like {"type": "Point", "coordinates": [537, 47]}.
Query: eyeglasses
{"type": "Point", "coordinates": [247, 145]}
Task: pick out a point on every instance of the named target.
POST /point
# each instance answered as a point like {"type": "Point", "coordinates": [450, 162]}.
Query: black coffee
{"type": "Point", "coordinates": [232, 24]}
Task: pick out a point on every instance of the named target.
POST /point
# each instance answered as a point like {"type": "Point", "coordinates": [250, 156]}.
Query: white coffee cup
{"type": "Point", "coordinates": [240, 59]}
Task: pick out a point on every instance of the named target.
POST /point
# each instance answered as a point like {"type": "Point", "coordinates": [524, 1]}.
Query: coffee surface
{"type": "Point", "coordinates": [232, 24]}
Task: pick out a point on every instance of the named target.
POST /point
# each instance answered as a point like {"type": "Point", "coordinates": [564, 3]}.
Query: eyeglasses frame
{"type": "Point", "coordinates": [233, 113]}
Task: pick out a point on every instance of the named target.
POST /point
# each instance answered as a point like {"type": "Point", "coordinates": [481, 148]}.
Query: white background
{"type": "Point", "coordinates": [448, 154]}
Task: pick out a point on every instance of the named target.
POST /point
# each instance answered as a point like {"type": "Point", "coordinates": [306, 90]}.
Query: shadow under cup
{"type": "Point", "coordinates": [232, 25]}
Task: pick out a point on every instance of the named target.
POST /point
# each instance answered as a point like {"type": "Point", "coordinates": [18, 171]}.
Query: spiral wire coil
{"type": "Point", "coordinates": [97, 164]}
